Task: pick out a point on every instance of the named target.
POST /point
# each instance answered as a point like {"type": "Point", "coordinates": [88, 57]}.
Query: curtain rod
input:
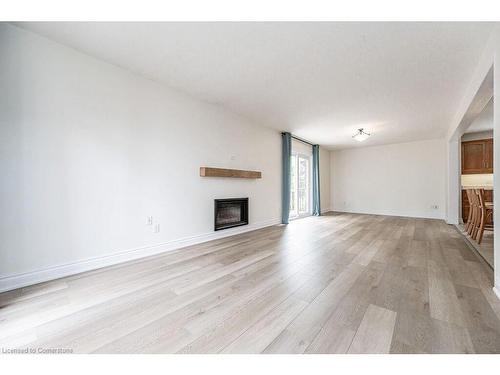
{"type": "Point", "coordinates": [302, 140]}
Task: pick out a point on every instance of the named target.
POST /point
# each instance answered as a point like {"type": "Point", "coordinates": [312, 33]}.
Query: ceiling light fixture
{"type": "Point", "coordinates": [361, 135]}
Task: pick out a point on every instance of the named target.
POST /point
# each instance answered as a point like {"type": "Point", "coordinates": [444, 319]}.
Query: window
{"type": "Point", "coordinates": [300, 187]}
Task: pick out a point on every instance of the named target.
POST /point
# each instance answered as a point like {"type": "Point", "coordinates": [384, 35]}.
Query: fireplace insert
{"type": "Point", "coordinates": [229, 213]}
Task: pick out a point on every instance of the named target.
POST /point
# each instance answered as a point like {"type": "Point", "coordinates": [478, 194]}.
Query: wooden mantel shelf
{"type": "Point", "coordinates": [233, 173]}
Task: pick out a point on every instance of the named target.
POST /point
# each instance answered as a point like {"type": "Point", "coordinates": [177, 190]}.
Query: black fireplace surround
{"type": "Point", "coordinates": [230, 213]}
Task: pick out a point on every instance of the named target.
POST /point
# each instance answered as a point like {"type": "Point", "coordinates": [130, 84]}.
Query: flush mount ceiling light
{"type": "Point", "coordinates": [361, 135]}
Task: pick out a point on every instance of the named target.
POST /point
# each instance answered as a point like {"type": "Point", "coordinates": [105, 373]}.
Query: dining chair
{"type": "Point", "coordinates": [475, 213]}
{"type": "Point", "coordinates": [468, 223]}
{"type": "Point", "coordinates": [486, 211]}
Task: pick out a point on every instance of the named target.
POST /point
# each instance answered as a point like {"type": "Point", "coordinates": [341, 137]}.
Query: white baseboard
{"type": "Point", "coordinates": [496, 291]}
{"type": "Point", "coordinates": [30, 278]}
{"type": "Point", "coordinates": [324, 210]}
{"type": "Point", "coordinates": [399, 214]}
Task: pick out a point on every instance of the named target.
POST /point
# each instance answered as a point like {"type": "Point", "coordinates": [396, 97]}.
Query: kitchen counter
{"type": "Point", "coordinates": [485, 187]}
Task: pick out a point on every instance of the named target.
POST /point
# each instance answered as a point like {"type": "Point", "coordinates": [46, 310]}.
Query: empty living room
{"type": "Point", "coordinates": [220, 186]}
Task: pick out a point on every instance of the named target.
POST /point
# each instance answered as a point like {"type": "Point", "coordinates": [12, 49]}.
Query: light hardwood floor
{"type": "Point", "coordinates": [485, 249]}
{"type": "Point", "coordinates": [340, 283]}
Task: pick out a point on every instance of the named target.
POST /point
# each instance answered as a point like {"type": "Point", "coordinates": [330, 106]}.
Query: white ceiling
{"type": "Point", "coordinates": [321, 81]}
{"type": "Point", "coordinates": [484, 121]}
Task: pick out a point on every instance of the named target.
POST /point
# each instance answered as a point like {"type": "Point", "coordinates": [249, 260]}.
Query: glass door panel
{"type": "Point", "coordinates": [303, 185]}
{"type": "Point", "coordinates": [293, 187]}
{"type": "Point", "coordinates": [300, 185]}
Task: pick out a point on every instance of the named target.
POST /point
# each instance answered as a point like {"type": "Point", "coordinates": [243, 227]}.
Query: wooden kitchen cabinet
{"type": "Point", "coordinates": [477, 156]}
{"type": "Point", "coordinates": [489, 155]}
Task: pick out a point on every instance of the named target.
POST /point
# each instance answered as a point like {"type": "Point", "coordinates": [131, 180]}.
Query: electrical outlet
{"type": "Point", "coordinates": [150, 220]}
{"type": "Point", "coordinates": [157, 228]}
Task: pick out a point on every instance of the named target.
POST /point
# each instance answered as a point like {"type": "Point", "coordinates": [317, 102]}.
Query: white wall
{"type": "Point", "coordinates": [403, 179]}
{"type": "Point", "coordinates": [477, 136]}
{"type": "Point", "coordinates": [88, 151]}
{"type": "Point", "coordinates": [301, 147]}
{"type": "Point", "coordinates": [324, 176]}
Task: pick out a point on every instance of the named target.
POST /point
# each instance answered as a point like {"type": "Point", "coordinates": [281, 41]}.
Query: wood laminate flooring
{"type": "Point", "coordinates": [340, 283]}
{"type": "Point", "coordinates": [485, 249]}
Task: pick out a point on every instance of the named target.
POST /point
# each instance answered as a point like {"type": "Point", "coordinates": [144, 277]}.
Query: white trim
{"type": "Point", "coordinates": [325, 210]}
{"type": "Point", "coordinates": [51, 273]}
{"type": "Point", "coordinates": [496, 291]}
{"type": "Point", "coordinates": [414, 215]}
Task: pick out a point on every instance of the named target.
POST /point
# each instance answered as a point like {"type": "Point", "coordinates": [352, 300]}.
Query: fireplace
{"type": "Point", "coordinates": [229, 213]}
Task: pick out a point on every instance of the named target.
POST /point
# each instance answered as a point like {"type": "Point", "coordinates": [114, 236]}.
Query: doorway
{"type": "Point", "coordinates": [476, 179]}
{"type": "Point", "coordinates": [471, 158]}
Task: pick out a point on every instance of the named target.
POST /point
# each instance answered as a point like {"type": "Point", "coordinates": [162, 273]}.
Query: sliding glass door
{"type": "Point", "coordinates": [300, 172]}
